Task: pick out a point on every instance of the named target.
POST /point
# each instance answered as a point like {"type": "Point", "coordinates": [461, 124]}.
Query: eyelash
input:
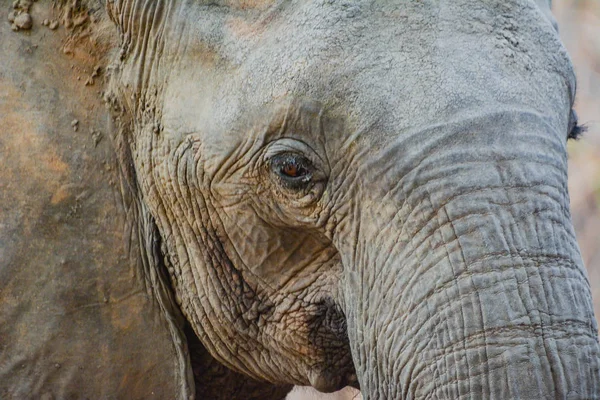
{"type": "Point", "coordinates": [576, 130]}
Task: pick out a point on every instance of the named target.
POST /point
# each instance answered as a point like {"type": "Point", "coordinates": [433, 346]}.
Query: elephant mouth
{"type": "Point", "coordinates": [328, 332]}
{"type": "Point", "coordinates": [353, 381]}
{"type": "Point", "coordinates": [330, 381]}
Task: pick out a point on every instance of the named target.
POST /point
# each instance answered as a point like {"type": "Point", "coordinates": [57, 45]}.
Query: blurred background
{"type": "Point", "coordinates": [579, 23]}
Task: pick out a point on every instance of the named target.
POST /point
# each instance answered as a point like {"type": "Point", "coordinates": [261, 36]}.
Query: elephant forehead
{"type": "Point", "coordinates": [395, 64]}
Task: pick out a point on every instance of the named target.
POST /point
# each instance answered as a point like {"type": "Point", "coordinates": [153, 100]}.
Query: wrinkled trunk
{"type": "Point", "coordinates": [472, 285]}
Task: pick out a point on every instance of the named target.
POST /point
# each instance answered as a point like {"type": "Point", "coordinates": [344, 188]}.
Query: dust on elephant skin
{"type": "Point", "coordinates": [348, 193]}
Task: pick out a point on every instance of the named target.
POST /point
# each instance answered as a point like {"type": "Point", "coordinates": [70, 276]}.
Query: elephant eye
{"type": "Point", "coordinates": [294, 170]}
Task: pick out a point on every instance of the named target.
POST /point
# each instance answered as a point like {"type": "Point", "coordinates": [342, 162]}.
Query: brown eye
{"type": "Point", "coordinates": [294, 170]}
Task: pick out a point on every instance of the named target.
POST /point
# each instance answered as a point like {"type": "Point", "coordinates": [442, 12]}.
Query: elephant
{"type": "Point", "coordinates": [245, 195]}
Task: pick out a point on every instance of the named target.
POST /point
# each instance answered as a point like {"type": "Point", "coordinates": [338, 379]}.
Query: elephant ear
{"type": "Point", "coordinates": [81, 313]}
{"type": "Point", "coordinates": [546, 8]}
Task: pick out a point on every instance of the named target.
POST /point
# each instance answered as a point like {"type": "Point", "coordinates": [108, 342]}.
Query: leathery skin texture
{"type": "Point", "coordinates": [380, 181]}
{"type": "Point", "coordinates": [367, 193]}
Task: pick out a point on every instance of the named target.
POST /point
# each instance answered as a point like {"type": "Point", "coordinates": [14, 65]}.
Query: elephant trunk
{"type": "Point", "coordinates": [517, 327]}
{"type": "Point", "coordinates": [471, 283]}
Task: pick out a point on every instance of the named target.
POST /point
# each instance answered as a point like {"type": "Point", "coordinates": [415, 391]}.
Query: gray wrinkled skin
{"type": "Point", "coordinates": [429, 254]}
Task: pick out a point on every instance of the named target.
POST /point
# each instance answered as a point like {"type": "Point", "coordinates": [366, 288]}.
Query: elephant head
{"type": "Point", "coordinates": [364, 193]}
